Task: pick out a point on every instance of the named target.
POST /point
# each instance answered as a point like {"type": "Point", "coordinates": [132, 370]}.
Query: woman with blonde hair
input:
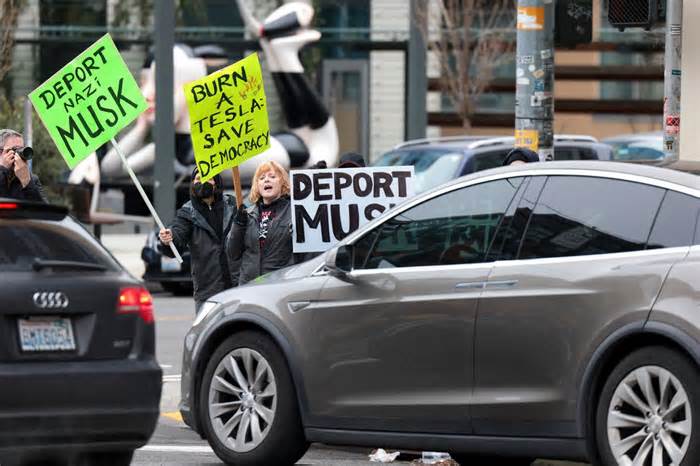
{"type": "Point", "coordinates": [261, 237]}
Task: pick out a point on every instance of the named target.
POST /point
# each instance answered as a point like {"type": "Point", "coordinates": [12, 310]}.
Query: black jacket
{"type": "Point", "coordinates": [10, 186]}
{"type": "Point", "coordinates": [244, 244]}
{"type": "Point", "coordinates": [207, 248]}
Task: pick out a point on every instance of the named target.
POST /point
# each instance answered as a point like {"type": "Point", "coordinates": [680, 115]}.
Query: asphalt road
{"type": "Point", "coordinates": [174, 444]}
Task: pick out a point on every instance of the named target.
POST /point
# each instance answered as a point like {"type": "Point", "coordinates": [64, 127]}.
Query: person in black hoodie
{"type": "Point", "coordinates": [202, 224]}
{"type": "Point", "coordinates": [261, 237]}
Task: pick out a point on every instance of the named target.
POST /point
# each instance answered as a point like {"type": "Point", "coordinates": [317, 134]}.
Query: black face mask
{"type": "Point", "coordinates": [203, 190]}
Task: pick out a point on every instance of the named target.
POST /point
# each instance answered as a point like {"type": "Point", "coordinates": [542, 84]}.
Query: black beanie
{"type": "Point", "coordinates": [523, 154]}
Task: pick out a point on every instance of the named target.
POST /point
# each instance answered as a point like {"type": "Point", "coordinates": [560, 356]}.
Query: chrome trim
{"type": "Point", "coordinates": [515, 174]}
{"type": "Point", "coordinates": [421, 268]}
{"type": "Point", "coordinates": [591, 257]}
{"type": "Point", "coordinates": [50, 300]}
{"type": "Point", "coordinates": [471, 285]}
{"type": "Point", "coordinates": [501, 284]}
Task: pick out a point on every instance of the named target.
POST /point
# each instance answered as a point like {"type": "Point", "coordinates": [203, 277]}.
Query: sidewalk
{"type": "Point", "coordinates": [126, 247]}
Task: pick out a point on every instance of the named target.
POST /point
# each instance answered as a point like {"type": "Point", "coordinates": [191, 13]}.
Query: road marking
{"type": "Point", "coordinates": [174, 415]}
{"type": "Point", "coordinates": [172, 378]}
{"type": "Point", "coordinates": [178, 448]}
{"type": "Point", "coordinates": [166, 366]}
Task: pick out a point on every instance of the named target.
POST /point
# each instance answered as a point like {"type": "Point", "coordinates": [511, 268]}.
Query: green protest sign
{"type": "Point", "coordinates": [88, 101]}
{"type": "Point", "coordinates": [228, 116]}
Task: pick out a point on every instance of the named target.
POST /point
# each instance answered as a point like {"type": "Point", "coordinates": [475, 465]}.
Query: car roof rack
{"type": "Point", "coordinates": [574, 138]}
{"type": "Point", "coordinates": [418, 142]}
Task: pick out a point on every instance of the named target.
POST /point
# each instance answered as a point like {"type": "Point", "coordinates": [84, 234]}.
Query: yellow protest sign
{"type": "Point", "coordinates": [228, 116]}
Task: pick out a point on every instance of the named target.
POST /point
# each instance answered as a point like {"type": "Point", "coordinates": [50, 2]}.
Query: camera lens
{"type": "Point", "coordinates": [27, 153]}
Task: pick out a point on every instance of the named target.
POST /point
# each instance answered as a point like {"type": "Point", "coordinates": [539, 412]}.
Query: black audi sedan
{"type": "Point", "coordinates": [79, 380]}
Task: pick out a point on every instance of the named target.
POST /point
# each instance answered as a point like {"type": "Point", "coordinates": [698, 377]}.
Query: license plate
{"type": "Point", "coordinates": [168, 264]}
{"type": "Point", "coordinates": [46, 334]}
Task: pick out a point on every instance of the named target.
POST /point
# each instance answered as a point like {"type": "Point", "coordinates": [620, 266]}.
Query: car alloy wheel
{"type": "Point", "coordinates": [242, 400]}
{"type": "Point", "coordinates": [648, 411]}
{"type": "Point", "coordinates": [649, 417]}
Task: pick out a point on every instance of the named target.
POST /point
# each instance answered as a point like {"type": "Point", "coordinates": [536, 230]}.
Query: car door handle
{"type": "Point", "coordinates": [501, 284]}
{"type": "Point", "coordinates": [470, 285]}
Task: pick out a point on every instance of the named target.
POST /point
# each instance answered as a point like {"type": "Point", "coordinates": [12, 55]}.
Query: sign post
{"type": "Point", "coordinates": [87, 102]}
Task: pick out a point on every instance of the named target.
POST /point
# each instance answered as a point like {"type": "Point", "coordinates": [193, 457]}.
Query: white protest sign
{"type": "Point", "coordinates": [328, 205]}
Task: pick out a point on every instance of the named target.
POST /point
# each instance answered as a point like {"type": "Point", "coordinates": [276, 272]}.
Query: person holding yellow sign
{"type": "Point", "coordinates": [261, 237]}
{"type": "Point", "coordinates": [202, 224]}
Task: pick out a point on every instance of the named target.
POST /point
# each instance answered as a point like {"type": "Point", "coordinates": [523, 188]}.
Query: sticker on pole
{"type": "Point", "coordinates": [228, 116]}
{"type": "Point", "coordinates": [531, 18]}
{"type": "Point", "coordinates": [88, 101]}
{"type": "Point", "coordinates": [527, 138]}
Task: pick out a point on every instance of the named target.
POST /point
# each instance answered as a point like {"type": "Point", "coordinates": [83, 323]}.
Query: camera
{"type": "Point", "coordinates": [25, 152]}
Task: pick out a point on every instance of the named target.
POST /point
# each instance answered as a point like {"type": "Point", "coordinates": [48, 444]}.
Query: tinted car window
{"type": "Point", "coordinates": [675, 222]}
{"type": "Point", "coordinates": [454, 228]}
{"type": "Point", "coordinates": [507, 242]}
{"type": "Point", "coordinates": [488, 160]}
{"type": "Point", "coordinates": [23, 241]}
{"type": "Point", "coordinates": [581, 215]}
{"type": "Point", "coordinates": [432, 167]}
{"type": "Point", "coordinates": [574, 153]}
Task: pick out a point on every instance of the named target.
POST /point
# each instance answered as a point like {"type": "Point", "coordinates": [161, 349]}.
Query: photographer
{"type": "Point", "coordinates": [16, 181]}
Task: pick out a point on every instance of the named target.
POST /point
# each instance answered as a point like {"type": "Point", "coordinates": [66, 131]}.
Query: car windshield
{"type": "Point", "coordinates": [646, 149]}
{"type": "Point", "coordinates": [432, 166]}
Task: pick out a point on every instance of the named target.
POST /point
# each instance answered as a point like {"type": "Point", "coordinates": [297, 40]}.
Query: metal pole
{"type": "Point", "coordinates": [416, 76]}
{"type": "Point", "coordinates": [534, 96]}
{"type": "Point", "coordinates": [164, 134]}
{"type": "Point", "coordinates": [28, 131]}
{"type": "Point", "coordinates": [672, 79]}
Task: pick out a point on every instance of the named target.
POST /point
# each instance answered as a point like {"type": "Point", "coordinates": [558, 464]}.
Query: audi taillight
{"type": "Point", "coordinates": [136, 300]}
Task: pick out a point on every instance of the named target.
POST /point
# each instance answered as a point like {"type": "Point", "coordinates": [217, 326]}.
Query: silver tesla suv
{"type": "Point", "coordinates": [548, 310]}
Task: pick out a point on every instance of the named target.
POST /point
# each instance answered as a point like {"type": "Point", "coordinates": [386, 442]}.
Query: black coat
{"type": "Point", "coordinates": [244, 244]}
{"type": "Point", "coordinates": [207, 249]}
{"type": "Point", "coordinates": [11, 187]}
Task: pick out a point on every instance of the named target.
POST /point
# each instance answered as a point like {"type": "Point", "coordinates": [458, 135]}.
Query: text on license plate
{"type": "Point", "coordinates": [46, 334]}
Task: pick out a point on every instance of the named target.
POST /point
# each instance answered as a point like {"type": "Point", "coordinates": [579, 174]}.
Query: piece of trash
{"type": "Point", "coordinates": [434, 458]}
{"type": "Point", "coordinates": [382, 456]}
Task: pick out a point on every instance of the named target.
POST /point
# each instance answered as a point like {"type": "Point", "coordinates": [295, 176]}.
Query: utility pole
{"type": "Point", "coordinates": [164, 170]}
{"type": "Point", "coordinates": [672, 79]}
{"type": "Point", "coordinates": [416, 76]}
{"type": "Point", "coordinates": [534, 96]}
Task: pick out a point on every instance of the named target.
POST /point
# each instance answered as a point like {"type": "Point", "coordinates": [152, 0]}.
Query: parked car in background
{"type": "Point", "coordinates": [637, 147]}
{"type": "Point", "coordinates": [546, 310]}
{"type": "Point", "coordinates": [437, 160]}
{"type": "Point", "coordinates": [174, 277]}
{"type": "Point", "coordinates": [79, 380]}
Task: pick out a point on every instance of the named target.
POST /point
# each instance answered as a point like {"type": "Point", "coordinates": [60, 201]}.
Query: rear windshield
{"type": "Point", "coordinates": [23, 241]}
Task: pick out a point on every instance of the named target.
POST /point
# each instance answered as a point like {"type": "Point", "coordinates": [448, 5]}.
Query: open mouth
{"type": "Point", "coordinates": [267, 188]}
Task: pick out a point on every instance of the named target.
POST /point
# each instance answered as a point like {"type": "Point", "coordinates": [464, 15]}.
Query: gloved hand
{"type": "Point", "coordinates": [241, 217]}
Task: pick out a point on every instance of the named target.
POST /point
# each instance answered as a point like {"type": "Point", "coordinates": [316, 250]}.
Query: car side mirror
{"type": "Point", "coordinates": [339, 261]}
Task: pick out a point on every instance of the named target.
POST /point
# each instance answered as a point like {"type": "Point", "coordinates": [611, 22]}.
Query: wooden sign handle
{"type": "Point", "coordinates": [236, 175]}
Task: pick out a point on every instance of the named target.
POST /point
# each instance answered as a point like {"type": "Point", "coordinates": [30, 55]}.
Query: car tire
{"type": "Point", "coordinates": [177, 289]}
{"type": "Point", "coordinates": [108, 458]}
{"type": "Point", "coordinates": [248, 404]}
{"type": "Point", "coordinates": [650, 406]}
